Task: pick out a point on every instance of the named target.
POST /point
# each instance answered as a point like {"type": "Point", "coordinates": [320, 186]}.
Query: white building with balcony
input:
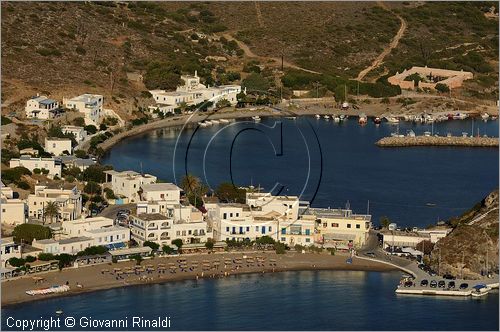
{"type": "Point", "coordinates": [128, 183]}
{"type": "Point", "coordinates": [53, 165]}
{"type": "Point", "coordinates": [79, 133]}
{"type": "Point", "coordinates": [41, 107]}
{"type": "Point", "coordinates": [67, 196]}
{"type": "Point", "coordinates": [89, 104]}
{"type": "Point", "coordinates": [165, 192]}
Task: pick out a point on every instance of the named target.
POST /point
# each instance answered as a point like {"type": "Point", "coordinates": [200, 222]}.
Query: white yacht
{"type": "Point", "coordinates": [327, 117]}
{"type": "Point", "coordinates": [336, 118]}
{"type": "Point", "coordinates": [485, 116]}
{"type": "Point", "coordinates": [392, 119]}
{"type": "Point", "coordinates": [318, 116]}
{"type": "Point", "coordinates": [223, 121]}
{"type": "Point", "coordinates": [256, 118]}
{"type": "Point", "coordinates": [215, 122]}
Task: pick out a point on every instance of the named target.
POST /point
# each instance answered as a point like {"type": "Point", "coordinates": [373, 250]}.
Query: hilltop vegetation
{"type": "Point", "coordinates": [63, 49]}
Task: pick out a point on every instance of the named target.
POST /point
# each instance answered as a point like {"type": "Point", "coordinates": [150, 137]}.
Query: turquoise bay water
{"type": "Point", "coordinates": [307, 300]}
{"type": "Point", "coordinates": [326, 163]}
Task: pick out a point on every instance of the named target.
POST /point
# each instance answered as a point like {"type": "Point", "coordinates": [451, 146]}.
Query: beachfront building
{"type": "Point", "coordinates": [407, 239]}
{"type": "Point", "coordinates": [8, 250]}
{"type": "Point", "coordinates": [89, 104]}
{"type": "Point", "coordinates": [162, 229]}
{"type": "Point", "coordinates": [339, 228]}
{"type": "Point", "coordinates": [192, 92]}
{"type": "Point", "coordinates": [102, 230]}
{"type": "Point", "coordinates": [429, 78]}
{"type": "Point", "coordinates": [41, 107]}
{"type": "Point", "coordinates": [14, 210]}
{"type": "Point", "coordinates": [66, 195]}
{"type": "Point", "coordinates": [53, 165]}
{"type": "Point", "coordinates": [164, 192]}
{"type": "Point", "coordinates": [58, 146]}
{"type": "Point", "coordinates": [128, 183]}
{"type": "Point", "coordinates": [69, 246]}
{"type": "Point", "coordinates": [79, 133]}
{"type": "Point", "coordinates": [263, 203]}
{"type": "Point", "coordinates": [298, 232]}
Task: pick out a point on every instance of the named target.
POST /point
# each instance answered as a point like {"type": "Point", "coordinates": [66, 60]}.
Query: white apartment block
{"type": "Point", "coordinates": [102, 230]}
{"type": "Point", "coordinates": [41, 107]}
{"type": "Point", "coordinates": [79, 133]}
{"type": "Point", "coordinates": [297, 232]}
{"type": "Point", "coordinates": [13, 210]}
{"type": "Point", "coordinates": [69, 246]}
{"type": "Point", "coordinates": [286, 206]}
{"type": "Point", "coordinates": [58, 146]}
{"type": "Point", "coordinates": [339, 227]}
{"type": "Point", "coordinates": [192, 93]}
{"type": "Point", "coordinates": [89, 104]}
{"type": "Point", "coordinates": [128, 183]}
{"type": "Point", "coordinates": [167, 192]}
{"type": "Point", "coordinates": [53, 165]}
{"type": "Point", "coordinates": [67, 197]}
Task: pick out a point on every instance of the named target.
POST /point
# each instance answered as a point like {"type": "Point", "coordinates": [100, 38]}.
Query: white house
{"type": "Point", "coordinates": [70, 246]}
{"type": "Point", "coordinates": [167, 192]}
{"type": "Point", "coordinates": [13, 210]}
{"type": "Point", "coordinates": [8, 250]}
{"type": "Point", "coordinates": [127, 183]}
{"type": "Point", "coordinates": [102, 230]}
{"type": "Point", "coordinates": [41, 107]}
{"type": "Point", "coordinates": [53, 165]}
{"type": "Point", "coordinates": [58, 146]}
{"type": "Point", "coordinates": [67, 196]}
{"type": "Point", "coordinates": [79, 133]}
{"type": "Point", "coordinates": [89, 104]}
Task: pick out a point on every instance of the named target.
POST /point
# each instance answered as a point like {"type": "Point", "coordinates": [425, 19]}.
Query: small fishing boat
{"type": "Point", "coordinates": [202, 124]}
{"type": "Point", "coordinates": [362, 119]}
{"type": "Point", "coordinates": [392, 119]}
{"type": "Point", "coordinates": [377, 120]}
{"type": "Point", "coordinates": [256, 118]}
{"type": "Point", "coordinates": [326, 117]}
{"type": "Point", "coordinates": [485, 116]}
{"type": "Point", "coordinates": [223, 121]}
{"type": "Point", "coordinates": [427, 133]}
{"type": "Point", "coordinates": [290, 117]}
{"type": "Point", "coordinates": [336, 118]}
{"type": "Point", "coordinates": [214, 122]}
{"type": "Point", "coordinates": [411, 133]}
{"type": "Point", "coordinates": [208, 122]}
{"type": "Point", "coordinates": [460, 116]}
{"type": "Point", "coordinates": [318, 116]}
{"type": "Point", "coordinates": [480, 290]}
{"type": "Point", "coordinates": [343, 117]}
{"type": "Point", "coordinates": [59, 312]}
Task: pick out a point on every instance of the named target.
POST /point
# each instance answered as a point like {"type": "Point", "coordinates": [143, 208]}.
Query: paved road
{"type": "Point", "coordinates": [110, 211]}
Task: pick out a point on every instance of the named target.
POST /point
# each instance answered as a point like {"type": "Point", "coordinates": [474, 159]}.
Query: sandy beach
{"type": "Point", "coordinates": [93, 278]}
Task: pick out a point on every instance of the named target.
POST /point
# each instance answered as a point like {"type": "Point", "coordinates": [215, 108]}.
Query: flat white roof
{"type": "Point", "coordinates": [159, 187]}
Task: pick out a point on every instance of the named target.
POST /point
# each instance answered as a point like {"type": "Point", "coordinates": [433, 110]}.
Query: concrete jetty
{"type": "Point", "coordinates": [407, 141]}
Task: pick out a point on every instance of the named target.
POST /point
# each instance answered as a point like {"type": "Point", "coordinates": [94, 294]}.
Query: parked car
{"type": "Point", "coordinates": [441, 284]}
{"type": "Point", "coordinates": [433, 284]}
{"type": "Point", "coordinates": [432, 273]}
{"type": "Point", "coordinates": [421, 266]}
{"type": "Point", "coordinates": [408, 283]}
{"type": "Point", "coordinates": [424, 283]}
{"type": "Point", "coordinates": [448, 276]}
{"type": "Point", "coordinates": [464, 285]}
{"type": "Point", "coordinates": [451, 285]}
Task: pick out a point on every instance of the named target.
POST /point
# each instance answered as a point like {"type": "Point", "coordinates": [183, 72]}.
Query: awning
{"type": "Point", "coordinates": [339, 237]}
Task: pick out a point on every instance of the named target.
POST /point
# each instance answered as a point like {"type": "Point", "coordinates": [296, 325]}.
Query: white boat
{"type": "Point", "coordinates": [460, 116]}
{"type": "Point", "coordinates": [214, 122]}
{"type": "Point", "coordinates": [336, 118]}
{"type": "Point", "coordinates": [343, 117]}
{"type": "Point", "coordinates": [485, 116]}
{"type": "Point", "coordinates": [223, 121]}
{"type": "Point", "coordinates": [345, 105]}
{"type": "Point", "coordinates": [411, 133]}
{"type": "Point", "coordinates": [427, 133]}
{"type": "Point", "coordinates": [480, 290]}
{"type": "Point", "coordinates": [202, 124]}
{"type": "Point", "coordinates": [290, 117]}
{"type": "Point", "coordinates": [59, 312]}
{"type": "Point", "coordinates": [256, 118]}
{"type": "Point", "coordinates": [208, 122]}
{"type": "Point", "coordinates": [362, 119]}
{"type": "Point", "coordinates": [327, 117]}
{"type": "Point", "coordinates": [318, 116]}
{"type": "Point", "coordinates": [392, 119]}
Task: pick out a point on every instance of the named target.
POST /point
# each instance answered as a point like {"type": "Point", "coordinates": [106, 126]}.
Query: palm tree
{"type": "Point", "coordinates": [190, 184]}
{"type": "Point", "coordinates": [52, 210]}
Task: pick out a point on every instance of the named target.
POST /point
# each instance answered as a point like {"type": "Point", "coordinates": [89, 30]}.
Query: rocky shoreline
{"type": "Point", "coordinates": [407, 141]}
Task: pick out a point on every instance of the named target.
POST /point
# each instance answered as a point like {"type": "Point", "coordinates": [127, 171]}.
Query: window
{"type": "Point", "coordinates": [308, 231]}
{"type": "Point", "coordinates": [283, 231]}
{"type": "Point", "coordinates": [248, 229]}
{"type": "Point", "coordinates": [227, 229]}
{"type": "Point", "coordinates": [308, 240]}
{"type": "Point", "coordinates": [348, 225]}
{"type": "Point", "coordinates": [325, 225]}
{"type": "Point", "coordinates": [358, 226]}
{"type": "Point", "coordinates": [189, 232]}
{"type": "Point", "coordinates": [283, 239]}
{"type": "Point", "coordinates": [225, 216]}
{"type": "Point", "coordinates": [334, 224]}
{"type": "Point", "coordinates": [270, 229]}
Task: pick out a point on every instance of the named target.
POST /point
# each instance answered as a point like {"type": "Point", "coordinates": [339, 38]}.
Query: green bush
{"type": "Point", "coordinates": [28, 232]}
{"type": "Point", "coordinates": [46, 256]}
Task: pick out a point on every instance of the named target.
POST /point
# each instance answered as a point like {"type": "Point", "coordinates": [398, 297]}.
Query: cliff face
{"type": "Point", "coordinates": [473, 241]}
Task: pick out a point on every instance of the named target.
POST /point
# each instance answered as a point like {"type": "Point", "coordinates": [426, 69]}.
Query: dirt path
{"type": "Point", "coordinates": [259, 14]}
{"type": "Point", "coordinates": [393, 44]}
{"type": "Point", "coordinates": [248, 53]}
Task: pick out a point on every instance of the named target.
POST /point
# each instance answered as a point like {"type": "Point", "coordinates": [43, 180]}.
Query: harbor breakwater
{"type": "Point", "coordinates": [407, 141]}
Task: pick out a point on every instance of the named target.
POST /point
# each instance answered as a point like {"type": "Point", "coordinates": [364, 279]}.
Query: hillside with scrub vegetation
{"type": "Point", "coordinates": [123, 49]}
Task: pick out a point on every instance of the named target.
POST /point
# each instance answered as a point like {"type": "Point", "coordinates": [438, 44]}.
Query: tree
{"type": "Point", "coordinates": [190, 184]}
{"type": "Point", "coordinates": [167, 249]}
{"type": "Point", "coordinates": [209, 244]}
{"type": "Point", "coordinates": [137, 258]}
{"type": "Point", "coordinates": [30, 259]}
{"type": "Point", "coordinates": [92, 188]}
{"type": "Point", "coordinates": [80, 154]}
{"type": "Point", "coordinates": [223, 103]}
{"type": "Point", "coordinates": [153, 245]}
{"type": "Point", "coordinates": [16, 262]}
{"type": "Point", "coordinates": [280, 248]}
{"type": "Point", "coordinates": [229, 193]}
{"type": "Point", "coordinates": [91, 129]}
{"type": "Point", "coordinates": [265, 240]}
{"type": "Point", "coordinates": [95, 173]}
{"type": "Point", "coordinates": [425, 246]}
{"type": "Point", "coordinates": [256, 82]}
{"type": "Point", "coordinates": [27, 232]}
{"type": "Point", "coordinates": [384, 221]}
{"type": "Point", "coordinates": [441, 87]}
{"type": "Point", "coordinates": [46, 256]}
{"type": "Point", "coordinates": [79, 121]}
{"type": "Point", "coordinates": [178, 243]}
{"type": "Point", "coordinates": [64, 260]}
{"type": "Point", "coordinates": [109, 193]}
{"type": "Point", "coordinates": [161, 75]}
{"type": "Point", "coordinates": [51, 210]}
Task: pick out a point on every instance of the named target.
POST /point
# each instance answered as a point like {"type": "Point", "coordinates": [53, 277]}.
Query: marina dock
{"type": "Point", "coordinates": [407, 141]}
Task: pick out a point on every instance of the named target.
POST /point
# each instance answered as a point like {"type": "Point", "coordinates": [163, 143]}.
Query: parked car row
{"type": "Point", "coordinates": [442, 284]}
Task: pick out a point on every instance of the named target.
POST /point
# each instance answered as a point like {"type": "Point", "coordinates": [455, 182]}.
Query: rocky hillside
{"type": "Point", "coordinates": [474, 235]}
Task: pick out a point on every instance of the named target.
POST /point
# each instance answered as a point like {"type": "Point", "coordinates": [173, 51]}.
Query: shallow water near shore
{"type": "Point", "coordinates": [326, 163]}
{"type": "Point", "coordinates": [298, 300]}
